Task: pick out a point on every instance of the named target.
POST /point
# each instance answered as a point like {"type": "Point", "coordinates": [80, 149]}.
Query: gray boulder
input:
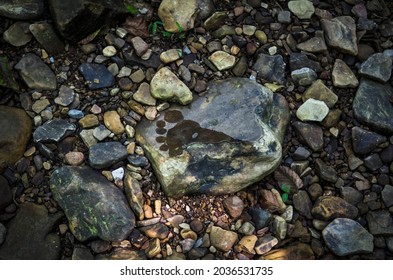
{"type": "Point", "coordinates": [22, 9]}
{"type": "Point", "coordinates": [221, 143]}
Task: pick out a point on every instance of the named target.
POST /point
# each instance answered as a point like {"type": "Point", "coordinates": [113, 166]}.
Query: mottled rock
{"type": "Point", "coordinates": [103, 155]}
{"type": "Point", "coordinates": [300, 251]}
{"type": "Point", "coordinates": [96, 75]}
{"type": "Point", "coordinates": [89, 121]}
{"type": "Point", "coordinates": [70, 17]}
{"type": "Point", "coordinates": [215, 21]}
{"type": "Point", "coordinates": [45, 34]}
{"type": "Point", "coordinates": [364, 142]}
{"type": "Point", "coordinates": [35, 73]}
{"type": "Point", "coordinates": [303, 9]}
{"type": "Point", "coordinates": [372, 105]}
{"type": "Point", "coordinates": [22, 9]}
{"type": "Point", "coordinates": [247, 242]}
{"type": "Point", "coordinates": [270, 68]}
{"type": "Point", "coordinates": [347, 237]}
{"type": "Point", "coordinates": [260, 217]}
{"type": "Point", "coordinates": [93, 206]}
{"type": "Point", "coordinates": [380, 222]}
{"type": "Point", "coordinates": [343, 76]}
{"type": "Point", "coordinates": [17, 127]}
{"type": "Point", "coordinates": [199, 148]}
{"type": "Point", "coordinates": [234, 206]}
{"type": "Point", "coordinates": [313, 45]}
{"type": "Point", "coordinates": [312, 110]}
{"type": "Point", "coordinates": [310, 134]}
{"type": "Point", "coordinates": [302, 203]}
{"type": "Point", "coordinates": [320, 92]}
{"type": "Point", "coordinates": [279, 227]}
{"type": "Point", "coordinates": [377, 67]}
{"type": "Point", "coordinates": [222, 239]}
{"type": "Point", "coordinates": [113, 123]}
{"type": "Point", "coordinates": [300, 60]}
{"type": "Point", "coordinates": [325, 172]}
{"type": "Point", "coordinates": [340, 33]}
{"type": "Point", "coordinates": [303, 76]}
{"type": "Point", "coordinates": [387, 195]}
{"type": "Point", "coordinates": [134, 196]}
{"type": "Point", "coordinates": [30, 235]}
{"type": "Point", "coordinates": [174, 13]}
{"type": "Point", "coordinates": [222, 60]}
{"type": "Point", "coordinates": [53, 131]}
{"type": "Point", "coordinates": [166, 85]}
{"type": "Point", "coordinates": [66, 96]}
{"type": "Point", "coordinates": [331, 207]}
{"type": "Point", "coordinates": [265, 244]}
{"type": "Point", "coordinates": [18, 34]}
{"type": "Point", "coordinates": [158, 230]}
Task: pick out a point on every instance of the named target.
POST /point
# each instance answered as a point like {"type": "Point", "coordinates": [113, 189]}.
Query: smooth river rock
{"type": "Point", "coordinates": [221, 143]}
{"type": "Point", "coordinates": [93, 206]}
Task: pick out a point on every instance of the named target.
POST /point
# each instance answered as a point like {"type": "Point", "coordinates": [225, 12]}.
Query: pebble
{"type": "Point", "coordinates": [222, 60]}
{"type": "Point", "coordinates": [138, 76]}
{"type": "Point", "coordinates": [124, 72]}
{"type": "Point", "coordinates": [303, 9]}
{"type": "Point", "coordinates": [326, 172]}
{"type": "Point", "coordinates": [221, 239]}
{"type": "Point", "coordinates": [89, 121]}
{"type": "Point", "coordinates": [261, 36]}
{"type": "Point", "coordinates": [18, 34]}
{"type": "Point", "coordinates": [101, 132]}
{"type": "Point", "coordinates": [113, 123]}
{"type": "Point", "coordinates": [109, 51]}
{"type": "Point", "coordinates": [304, 76]}
{"type": "Point", "coordinates": [88, 137]}
{"type": "Point", "coordinates": [139, 45]}
{"type": "Point", "coordinates": [234, 206]}
{"type": "Point", "coordinates": [53, 131]}
{"type": "Point", "coordinates": [74, 158]}
{"type": "Point", "coordinates": [319, 91]}
{"type": "Point", "coordinates": [76, 114]}
{"type": "Point", "coordinates": [170, 55]}
{"type": "Point", "coordinates": [364, 141]}
{"type": "Point", "coordinates": [331, 207]}
{"type": "Point", "coordinates": [377, 67]}
{"type": "Point", "coordinates": [387, 195]}
{"type": "Point", "coordinates": [279, 227]}
{"type": "Point", "coordinates": [154, 248]}
{"type": "Point", "coordinates": [66, 96]}
{"type": "Point", "coordinates": [247, 228]}
{"type": "Point", "coordinates": [310, 134]}
{"type": "Point", "coordinates": [302, 203]}
{"type": "Point", "coordinates": [265, 244]}
{"type": "Point", "coordinates": [103, 155]}
{"type": "Point", "coordinates": [143, 95]}
{"type": "Point", "coordinates": [343, 76]}
{"type": "Point", "coordinates": [247, 243]}
{"type": "Point", "coordinates": [312, 110]}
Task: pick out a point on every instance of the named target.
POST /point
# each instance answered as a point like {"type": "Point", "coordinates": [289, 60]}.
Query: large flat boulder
{"type": "Point", "coordinates": [93, 206]}
{"type": "Point", "coordinates": [75, 19]}
{"type": "Point", "coordinates": [17, 127]}
{"type": "Point", "coordinates": [220, 143]}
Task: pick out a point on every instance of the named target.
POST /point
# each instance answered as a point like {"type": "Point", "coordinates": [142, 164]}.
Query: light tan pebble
{"type": "Point", "coordinates": [109, 51]}
{"type": "Point", "coordinates": [179, 249]}
{"type": "Point", "coordinates": [108, 175]}
{"type": "Point", "coordinates": [95, 109]}
{"type": "Point", "coordinates": [169, 250]}
{"type": "Point", "coordinates": [261, 36]}
{"type": "Point", "coordinates": [157, 206]}
{"type": "Point", "coordinates": [131, 148]}
{"type": "Point", "coordinates": [74, 158]}
{"type": "Point", "coordinates": [130, 131]}
{"type": "Point", "coordinates": [147, 54]}
{"type": "Point", "coordinates": [235, 50]}
{"type": "Point", "coordinates": [113, 123]}
{"type": "Point", "coordinates": [47, 165]}
{"type": "Point", "coordinates": [163, 106]}
{"type": "Point", "coordinates": [63, 228]}
{"type": "Point", "coordinates": [212, 249]}
{"type": "Point", "coordinates": [148, 211]}
{"type": "Point", "coordinates": [29, 152]}
{"type": "Point", "coordinates": [238, 31]}
{"type": "Point", "coordinates": [151, 113]}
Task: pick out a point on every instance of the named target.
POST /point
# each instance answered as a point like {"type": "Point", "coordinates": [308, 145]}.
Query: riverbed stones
{"type": "Point", "coordinates": [340, 33]}
{"type": "Point", "coordinates": [18, 126]}
{"type": "Point", "coordinates": [270, 68]}
{"type": "Point", "coordinates": [319, 91]}
{"type": "Point", "coordinates": [45, 34]}
{"type": "Point", "coordinates": [303, 9]}
{"type": "Point", "coordinates": [30, 235]}
{"type": "Point", "coordinates": [372, 105]}
{"type": "Point", "coordinates": [347, 237]}
{"type": "Point", "coordinates": [18, 34]}
{"type": "Point", "coordinates": [364, 141]}
{"type": "Point", "coordinates": [222, 239]}
{"type": "Point", "coordinates": [22, 9]}
{"type": "Point", "coordinates": [93, 206]}
{"type": "Point", "coordinates": [103, 155]}
{"type": "Point", "coordinates": [165, 85]}
{"type": "Point", "coordinates": [377, 67]}
{"type": "Point", "coordinates": [299, 251]}
{"type": "Point", "coordinates": [70, 17]}
{"type": "Point", "coordinates": [312, 110]}
{"type": "Point", "coordinates": [202, 149]}
{"type": "Point", "coordinates": [53, 131]}
{"type": "Point", "coordinates": [97, 76]}
{"type": "Point", "coordinates": [35, 73]}
{"type": "Point", "coordinates": [178, 16]}
{"type": "Point", "coordinates": [343, 76]}
{"type": "Point", "coordinates": [331, 207]}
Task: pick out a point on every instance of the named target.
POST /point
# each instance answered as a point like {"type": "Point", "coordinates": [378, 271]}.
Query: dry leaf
{"type": "Point", "coordinates": [286, 176]}
{"type": "Point", "coordinates": [137, 26]}
{"type": "Point", "coordinates": [89, 37]}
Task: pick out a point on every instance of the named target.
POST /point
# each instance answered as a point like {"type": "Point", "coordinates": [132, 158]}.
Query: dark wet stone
{"type": "Point", "coordinates": [380, 222]}
{"type": "Point", "coordinates": [387, 195]}
{"type": "Point", "coordinates": [300, 251]}
{"type": "Point", "coordinates": [82, 253]}
{"type": "Point", "coordinates": [18, 34]}
{"type": "Point", "coordinates": [18, 126]}
{"type": "Point", "coordinates": [35, 73]}
{"type": "Point", "coordinates": [199, 148]}
{"type": "Point", "coordinates": [346, 237]}
{"type": "Point", "coordinates": [300, 60]}
{"type": "Point", "coordinates": [5, 193]}
{"type": "Point", "coordinates": [270, 68]}
{"type": "Point", "coordinates": [96, 75]}
{"type": "Point", "coordinates": [260, 217]}
{"type": "Point", "coordinates": [197, 253]}
{"type": "Point", "coordinates": [103, 155]}
{"type": "Point", "coordinates": [137, 160]}
{"type": "Point", "coordinates": [70, 17]}
{"type": "Point", "coordinates": [94, 207]}
{"type": "Point", "coordinates": [7, 78]}
{"type": "Point", "coordinates": [301, 153]}
{"type": "Point", "coordinates": [377, 67]}
{"type": "Point", "coordinates": [340, 33]}
{"type": "Point", "coordinates": [331, 207]}
{"type": "Point", "coordinates": [364, 141]}
{"type": "Point", "coordinates": [153, 62]}
{"type": "Point", "coordinates": [372, 106]}
{"type": "Point", "coordinates": [22, 9]}
{"type": "Point", "coordinates": [159, 230]}
{"type": "Point", "coordinates": [302, 203]}
{"type": "Point", "coordinates": [53, 131]}
{"type": "Point", "coordinates": [373, 162]}
{"type": "Point", "coordinates": [325, 172]}
{"type": "Point", "coordinates": [30, 235]}
{"type": "Point", "coordinates": [123, 254]}
{"type": "Point", "coordinates": [386, 28]}
{"type": "Point", "coordinates": [310, 134]}
{"type": "Point", "coordinates": [3, 232]}
{"type": "Point", "coordinates": [351, 195]}
{"type": "Point", "coordinates": [387, 154]}
{"type": "Point", "coordinates": [45, 34]}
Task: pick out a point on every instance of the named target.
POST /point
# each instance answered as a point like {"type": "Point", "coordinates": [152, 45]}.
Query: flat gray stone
{"type": "Point", "coordinates": [31, 235]}
{"type": "Point", "coordinates": [220, 143]}
{"type": "Point", "coordinates": [377, 67]}
{"type": "Point", "coordinates": [93, 206]}
{"type": "Point", "coordinates": [387, 195]}
{"type": "Point", "coordinates": [343, 76]}
{"type": "Point", "coordinates": [302, 203]}
{"type": "Point", "coordinates": [303, 76]}
{"type": "Point", "coordinates": [53, 131]}
{"type": "Point", "coordinates": [103, 155]}
{"type": "Point", "coordinates": [35, 73]}
{"type": "Point", "coordinates": [380, 222]}
{"type": "Point", "coordinates": [372, 105]}
{"type": "Point", "coordinates": [18, 34]}
{"type": "Point", "coordinates": [46, 35]}
{"type": "Point", "coordinates": [97, 76]}
{"type": "Point", "coordinates": [346, 237]}
{"type": "Point", "coordinates": [330, 207]}
{"type": "Point", "coordinates": [310, 134]}
{"type": "Point", "coordinates": [270, 68]}
{"type": "Point", "coordinates": [364, 141]}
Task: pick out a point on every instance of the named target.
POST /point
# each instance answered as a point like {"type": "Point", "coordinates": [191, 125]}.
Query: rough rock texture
{"type": "Point", "coordinates": [17, 125]}
{"type": "Point", "coordinates": [347, 237]}
{"type": "Point", "coordinates": [21, 9]}
{"type": "Point", "coordinates": [270, 68]}
{"type": "Point", "coordinates": [300, 251]}
{"type": "Point", "coordinates": [35, 73]}
{"type": "Point", "coordinates": [70, 16]}
{"type": "Point", "coordinates": [220, 144]}
{"type": "Point", "coordinates": [372, 105]}
{"type": "Point", "coordinates": [31, 235]}
{"type": "Point", "coordinates": [45, 34]}
{"type": "Point", "coordinates": [330, 207]}
{"type": "Point", "coordinates": [96, 75]}
{"type": "Point", "coordinates": [343, 76]}
{"type": "Point", "coordinates": [94, 207]}
{"type": "Point", "coordinates": [103, 155]}
{"type": "Point", "coordinates": [53, 131]}
{"type": "Point", "coordinates": [377, 67]}
{"type": "Point", "coordinates": [7, 78]}
{"type": "Point", "coordinates": [175, 12]}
